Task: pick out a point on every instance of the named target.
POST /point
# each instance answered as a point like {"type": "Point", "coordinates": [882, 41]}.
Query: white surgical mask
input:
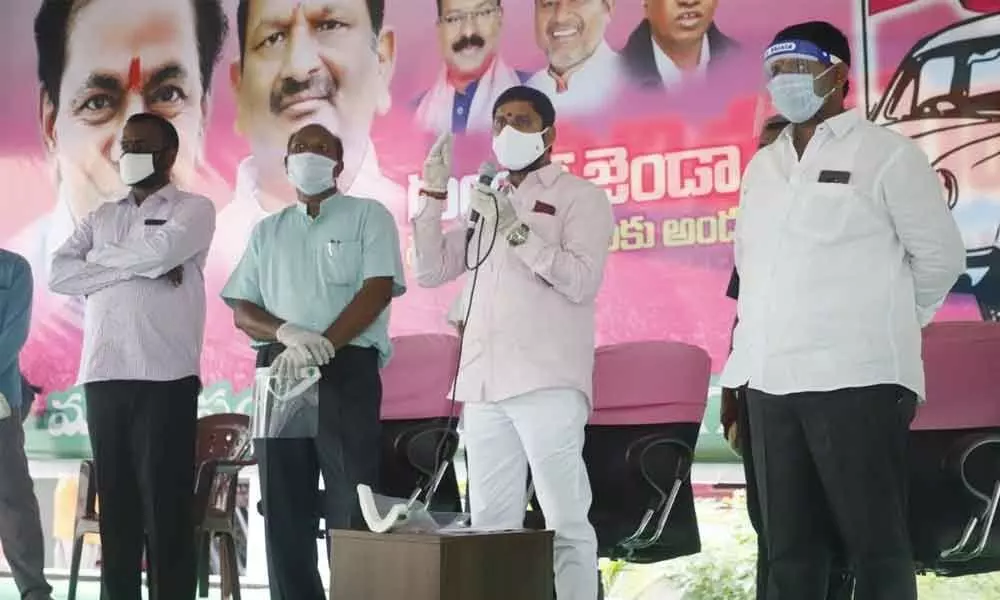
{"type": "Point", "coordinates": [311, 173]}
{"type": "Point", "coordinates": [134, 168]}
{"type": "Point", "coordinates": [794, 95]}
{"type": "Point", "coordinates": [516, 150]}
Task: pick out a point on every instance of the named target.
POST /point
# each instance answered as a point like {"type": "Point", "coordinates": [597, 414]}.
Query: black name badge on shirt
{"type": "Point", "coordinates": [843, 177]}
{"type": "Point", "coordinates": [155, 221]}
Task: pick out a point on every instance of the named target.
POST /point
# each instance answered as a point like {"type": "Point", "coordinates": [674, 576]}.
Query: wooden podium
{"type": "Point", "coordinates": [489, 566]}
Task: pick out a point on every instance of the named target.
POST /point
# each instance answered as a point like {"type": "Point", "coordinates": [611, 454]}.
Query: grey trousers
{"type": "Point", "coordinates": [20, 524]}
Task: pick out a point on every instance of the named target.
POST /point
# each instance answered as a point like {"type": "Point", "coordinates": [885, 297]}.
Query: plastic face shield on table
{"type": "Point", "coordinates": [386, 514]}
{"type": "Point", "coordinates": [286, 407]}
{"type": "Point", "coordinates": [793, 59]}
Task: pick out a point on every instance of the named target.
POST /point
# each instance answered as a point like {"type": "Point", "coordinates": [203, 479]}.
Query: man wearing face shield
{"type": "Point", "coordinates": [845, 249]}
{"type": "Point", "coordinates": [528, 345]}
{"type": "Point", "coordinates": [139, 262]}
{"type": "Point", "coordinates": [313, 289]}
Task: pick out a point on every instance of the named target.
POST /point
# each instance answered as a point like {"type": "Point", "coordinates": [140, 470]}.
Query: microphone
{"type": "Point", "coordinates": [487, 172]}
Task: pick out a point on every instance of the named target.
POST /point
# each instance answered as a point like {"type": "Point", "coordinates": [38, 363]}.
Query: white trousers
{"type": "Point", "coordinates": [543, 430]}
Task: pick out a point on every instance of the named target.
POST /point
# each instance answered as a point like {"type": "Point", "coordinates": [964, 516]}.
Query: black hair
{"type": "Point", "coordinates": [376, 10]}
{"type": "Point", "coordinates": [538, 100]}
{"type": "Point", "coordinates": [167, 130]}
{"type": "Point", "coordinates": [441, 2]}
{"type": "Point", "coordinates": [52, 25]}
{"type": "Point", "coordinates": [826, 36]}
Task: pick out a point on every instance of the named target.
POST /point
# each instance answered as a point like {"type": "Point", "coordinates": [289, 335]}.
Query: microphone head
{"type": "Point", "coordinates": [488, 169]}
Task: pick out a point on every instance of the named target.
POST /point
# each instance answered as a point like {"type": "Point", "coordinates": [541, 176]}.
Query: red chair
{"type": "Point", "coordinates": [649, 401]}
{"type": "Point", "coordinates": [955, 452]}
{"type": "Point", "coordinates": [224, 442]}
{"type": "Point", "coordinates": [419, 439]}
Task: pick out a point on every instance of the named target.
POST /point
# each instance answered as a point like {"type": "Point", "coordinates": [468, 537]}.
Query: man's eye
{"type": "Point", "coordinates": [330, 25]}
{"type": "Point", "coordinates": [272, 40]}
{"type": "Point", "coordinates": [97, 103]}
{"type": "Point", "coordinates": [168, 95]}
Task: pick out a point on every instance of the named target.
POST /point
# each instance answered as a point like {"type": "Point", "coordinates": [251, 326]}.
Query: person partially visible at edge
{"type": "Point", "coordinates": [20, 523]}
{"type": "Point", "coordinates": [535, 291]}
{"type": "Point", "coordinates": [736, 428]}
{"type": "Point", "coordinates": [97, 66]}
{"type": "Point", "coordinates": [313, 289]}
{"type": "Point", "coordinates": [139, 263]}
{"type": "Point", "coordinates": [676, 40]}
{"type": "Point", "coordinates": [584, 74]}
{"type": "Point", "coordinates": [303, 62]}
{"type": "Point", "coordinates": [845, 249]}
{"type": "Point", "coordinates": [473, 74]}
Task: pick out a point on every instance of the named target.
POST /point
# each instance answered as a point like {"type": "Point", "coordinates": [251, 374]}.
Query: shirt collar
{"type": "Point", "coordinates": [547, 175]}
{"type": "Point", "coordinates": [325, 206]}
{"type": "Point", "coordinates": [163, 193]}
{"type": "Point", "coordinates": [839, 125]}
{"type": "Point", "coordinates": [602, 58]}
{"type": "Point", "coordinates": [669, 72]}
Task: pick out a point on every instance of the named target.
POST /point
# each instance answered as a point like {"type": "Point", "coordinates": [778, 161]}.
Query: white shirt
{"type": "Point", "coordinates": [139, 326]}
{"type": "Point", "coordinates": [837, 279]}
{"type": "Point", "coordinates": [670, 73]}
{"type": "Point", "coordinates": [587, 88]}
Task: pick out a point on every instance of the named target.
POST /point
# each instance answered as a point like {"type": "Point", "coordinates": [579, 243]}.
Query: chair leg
{"type": "Point", "coordinates": [74, 566]}
{"type": "Point", "coordinates": [230, 567]}
{"type": "Point", "coordinates": [204, 544]}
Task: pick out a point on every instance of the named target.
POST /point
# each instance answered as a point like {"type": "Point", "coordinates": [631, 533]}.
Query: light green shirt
{"type": "Point", "coordinates": [306, 271]}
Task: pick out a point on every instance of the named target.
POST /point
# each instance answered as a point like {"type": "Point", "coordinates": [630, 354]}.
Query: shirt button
{"type": "Point", "coordinates": [461, 110]}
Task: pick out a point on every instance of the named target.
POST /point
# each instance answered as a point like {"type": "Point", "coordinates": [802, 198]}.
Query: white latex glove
{"type": "Point", "coordinates": [437, 165]}
{"type": "Point", "coordinates": [493, 206]}
{"type": "Point", "coordinates": [290, 363]}
{"type": "Point", "coordinates": [314, 344]}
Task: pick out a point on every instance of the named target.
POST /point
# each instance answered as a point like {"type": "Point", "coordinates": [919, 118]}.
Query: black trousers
{"type": "Point", "coordinates": [841, 581]}
{"type": "Point", "coordinates": [143, 436]}
{"type": "Point", "coordinates": [345, 451]}
{"type": "Point", "coordinates": [832, 473]}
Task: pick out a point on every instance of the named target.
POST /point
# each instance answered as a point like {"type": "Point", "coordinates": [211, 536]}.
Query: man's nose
{"type": "Point", "coordinates": [302, 61]}
{"type": "Point", "coordinates": [468, 26]}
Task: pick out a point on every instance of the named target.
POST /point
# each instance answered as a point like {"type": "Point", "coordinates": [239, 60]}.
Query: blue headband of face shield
{"type": "Point", "coordinates": [797, 49]}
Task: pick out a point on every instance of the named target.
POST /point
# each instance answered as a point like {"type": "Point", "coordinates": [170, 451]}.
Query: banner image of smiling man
{"type": "Point", "coordinates": [584, 73]}
{"type": "Point", "coordinates": [678, 39]}
{"type": "Point", "coordinates": [473, 76]}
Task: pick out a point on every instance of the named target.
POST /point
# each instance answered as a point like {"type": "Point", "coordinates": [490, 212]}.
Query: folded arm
{"type": "Point", "coordinates": [70, 273]}
{"type": "Point", "coordinates": [933, 244]}
{"type": "Point", "coordinates": [439, 256]}
{"type": "Point", "coordinates": [164, 247]}
{"type": "Point", "coordinates": [575, 268]}
{"type": "Point", "coordinates": [15, 307]}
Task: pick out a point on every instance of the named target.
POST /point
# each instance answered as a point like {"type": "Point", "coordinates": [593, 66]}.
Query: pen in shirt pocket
{"type": "Point", "coordinates": [331, 245]}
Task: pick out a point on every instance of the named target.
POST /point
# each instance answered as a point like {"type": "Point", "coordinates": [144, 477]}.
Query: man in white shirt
{"type": "Point", "coordinates": [528, 344]}
{"type": "Point", "coordinates": [584, 73]}
{"type": "Point", "coordinates": [473, 74]}
{"type": "Point", "coordinates": [140, 264]}
{"type": "Point", "coordinates": [677, 40]}
{"type": "Point", "coordinates": [845, 249]}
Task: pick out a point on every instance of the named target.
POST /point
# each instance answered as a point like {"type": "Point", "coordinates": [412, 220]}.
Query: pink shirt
{"type": "Point", "coordinates": [531, 325]}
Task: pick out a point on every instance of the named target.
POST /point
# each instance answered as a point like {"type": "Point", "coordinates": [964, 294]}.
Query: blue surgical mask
{"type": "Point", "coordinates": [794, 95]}
{"type": "Point", "coordinates": [311, 173]}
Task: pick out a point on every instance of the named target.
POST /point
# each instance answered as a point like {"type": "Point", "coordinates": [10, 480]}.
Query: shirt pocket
{"type": "Point", "coordinates": [823, 212]}
{"type": "Point", "coordinates": [341, 262]}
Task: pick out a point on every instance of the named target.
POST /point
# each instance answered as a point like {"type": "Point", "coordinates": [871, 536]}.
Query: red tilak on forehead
{"type": "Point", "coordinates": [135, 75]}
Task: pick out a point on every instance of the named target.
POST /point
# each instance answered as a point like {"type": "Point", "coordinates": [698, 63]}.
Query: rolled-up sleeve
{"type": "Point", "coordinates": [380, 251]}
{"type": "Point", "coordinates": [933, 244]}
{"type": "Point", "coordinates": [439, 257]}
{"type": "Point", "coordinates": [186, 234]}
{"type": "Point", "coordinates": [575, 267]}
{"type": "Point", "coordinates": [244, 281]}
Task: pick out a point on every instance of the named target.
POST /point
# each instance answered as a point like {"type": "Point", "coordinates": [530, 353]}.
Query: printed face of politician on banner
{"type": "Point", "coordinates": [469, 31]}
{"type": "Point", "coordinates": [101, 61]}
{"type": "Point", "coordinates": [314, 61]}
{"type": "Point", "coordinates": [570, 31]}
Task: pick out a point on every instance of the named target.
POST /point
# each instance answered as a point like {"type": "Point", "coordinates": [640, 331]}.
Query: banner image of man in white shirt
{"type": "Point", "coordinates": [584, 73]}
{"type": "Point", "coordinates": [302, 62]}
{"type": "Point", "coordinates": [845, 249]}
{"type": "Point", "coordinates": [473, 74]}
{"type": "Point", "coordinates": [528, 343]}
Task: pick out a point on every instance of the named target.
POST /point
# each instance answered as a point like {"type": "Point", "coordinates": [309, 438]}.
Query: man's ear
{"type": "Point", "coordinates": [549, 137]}
{"type": "Point", "coordinates": [385, 50]}
{"type": "Point", "coordinates": [47, 120]}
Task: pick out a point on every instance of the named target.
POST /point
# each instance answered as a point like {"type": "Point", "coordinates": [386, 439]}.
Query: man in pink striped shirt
{"type": "Point", "coordinates": [540, 245]}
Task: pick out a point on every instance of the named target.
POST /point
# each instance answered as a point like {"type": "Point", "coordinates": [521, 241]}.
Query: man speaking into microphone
{"type": "Point", "coordinates": [538, 251]}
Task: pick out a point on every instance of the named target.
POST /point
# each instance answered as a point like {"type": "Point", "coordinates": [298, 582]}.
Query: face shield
{"type": "Point", "coordinates": [795, 98]}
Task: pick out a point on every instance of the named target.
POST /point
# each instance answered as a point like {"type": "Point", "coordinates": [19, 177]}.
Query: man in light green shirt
{"type": "Point", "coordinates": [313, 289]}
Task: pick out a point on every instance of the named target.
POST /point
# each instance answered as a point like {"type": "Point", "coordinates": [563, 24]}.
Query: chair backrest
{"type": "Point", "coordinates": [417, 382]}
{"type": "Point", "coordinates": [641, 383]}
{"type": "Point", "coordinates": [223, 437]}
{"type": "Point", "coordinates": [962, 367]}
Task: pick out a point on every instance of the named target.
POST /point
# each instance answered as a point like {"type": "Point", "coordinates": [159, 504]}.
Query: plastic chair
{"type": "Point", "coordinates": [222, 444]}
{"type": "Point", "coordinates": [649, 401]}
{"type": "Point", "coordinates": [955, 452]}
{"type": "Point", "coordinates": [419, 439]}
